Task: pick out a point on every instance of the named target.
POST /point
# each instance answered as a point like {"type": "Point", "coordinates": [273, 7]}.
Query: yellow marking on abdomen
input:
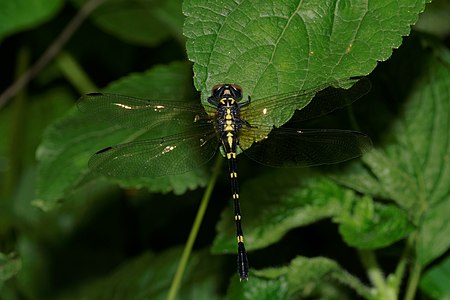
{"type": "Point", "coordinates": [228, 115]}
{"type": "Point", "coordinates": [240, 239]}
{"type": "Point", "coordinates": [233, 175]}
{"type": "Point", "coordinates": [230, 140]}
{"type": "Point", "coordinates": [231, 155]}
{"type": "Point", "coordinates": [229, 126]}
{"type": "Point", "coordinates": [235, 196]}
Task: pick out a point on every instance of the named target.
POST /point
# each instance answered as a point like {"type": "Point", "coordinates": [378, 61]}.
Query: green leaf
{"type": "Point", "coordinates": [417, 148]}
{"type": "Point", "coordinates": [290, 198]}
{"type": "Point", "coordinates": [306, 274]}
{"type": "Point", "coordinates": [373, 225]}
{"type": "Point", "coordinates": [141, 22]}
{"type": "Point", "coordinates": [434, 232]}
{"type": "Point", "coordinates": [391, 181]}
{"type": "Point", "coordinates": [269, 47]}
{"type": "Point", "coordinates": [17, 15]}
{"type": "Point", "coordinates": [70, 142]}
{"type": "Point", "coordinates": [9, 266]}
{"type": "Point", "coordinates": [149, 276]}
{"type": "Point", "coordinates": [356, 177]}
{"type": "Point", "coordinates": [302, 278]}
{"type": "Point", "coordinates": [59, 99]}
{"type": "Point", "coordinates": [258, 288]}
{"type": "Point", "coordinates": [435, 281]}
{"type": "Point", "coordinates": [410, 163]}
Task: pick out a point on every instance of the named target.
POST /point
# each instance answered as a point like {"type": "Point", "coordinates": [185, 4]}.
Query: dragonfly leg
{"type": "Point", "coordinates": [247, 102]}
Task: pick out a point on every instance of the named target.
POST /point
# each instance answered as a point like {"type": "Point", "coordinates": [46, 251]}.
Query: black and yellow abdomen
{"type": "Point", "coordinates": [226, 98]}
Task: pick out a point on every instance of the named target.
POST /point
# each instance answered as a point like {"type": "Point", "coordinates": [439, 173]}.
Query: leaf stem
{"type": "Point", "coordinates": [194, 230]}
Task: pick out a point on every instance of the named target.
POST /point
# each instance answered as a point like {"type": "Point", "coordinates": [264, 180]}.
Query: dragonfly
{"type": "Point", "coordinates": [185, 135]}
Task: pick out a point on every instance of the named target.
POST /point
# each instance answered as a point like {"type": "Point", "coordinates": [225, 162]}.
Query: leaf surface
{"type": "Point", "coordinates": [272, 47]}
{"type": "Point", "coordinates": [435, 281]}
{"type": "Point", "coordinates": [148, 276]}
{"type": "Point", "coordinates": [279, 201]}
{"type": "Point", "coordinates": [409, 166]}
{"type": "Point", "coordinates": [17, 15]}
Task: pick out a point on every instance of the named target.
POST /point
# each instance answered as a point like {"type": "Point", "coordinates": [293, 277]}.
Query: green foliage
{"type": "Point", "coordinates": [270, 48]}
{"type": "Point", "coordinates": [290, 199]}
{"type": "Point", "coordinates": [409, 167]}
{"type": "Point", "coordinates": [435, 281]}
{"type": "Point", "coordinates": [136, 280]}
{"type": "Point", "coordinates": [372, 225]}
{"type": "Point", "coordinates": [153, 21]}
{"type": "Point", "coordinates": [67, 234]}
{"type": "Point", "coordinates": [25, 14]}
{"type": "Point", "coordinates": [302, 278]}
{"type": "Point", "coordinates": [9, 266]}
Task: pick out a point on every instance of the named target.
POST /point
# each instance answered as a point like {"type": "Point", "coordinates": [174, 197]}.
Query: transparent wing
{"type": "Point", "coordinates": [331, 99]}
{"type": "Point", "coordinates": [259, 116]}
{"type": "Point", "coordinates": [303, 148]}
{"type": "Point", "coordinates": [130, 112]}
{"type": "Point", "coordinates": [174, 154]}
{"type": "Point", "coordinates": [265, 111]}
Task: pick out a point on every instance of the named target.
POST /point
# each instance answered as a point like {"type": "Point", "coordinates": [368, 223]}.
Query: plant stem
{"type": "Point", "coordinates": [400, 269]}
{"type": "Point", "coordinates": [16, 131]}
{"type": "Point", "coordinates": [373, 269]}
{"type": "Point", "coordinates": [413, 280]}
{"type": "Point", "coordinates": [354, 283]}
{"type": "Point", "coordinates": [75, 74]}
{"type": "Point", "coordinates": [194, 230]}
{"type": "Point", "coordinates": [51, 51]}
{"type": "Point", "coordinates": [376, 276]}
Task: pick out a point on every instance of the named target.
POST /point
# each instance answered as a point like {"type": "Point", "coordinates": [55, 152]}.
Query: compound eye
{"type": "Point", "coordinates": [237, 91]}
{"type": "Point", "coordinates": [237, 88]}
{"type": "Point", "coordinates": [216, 88]}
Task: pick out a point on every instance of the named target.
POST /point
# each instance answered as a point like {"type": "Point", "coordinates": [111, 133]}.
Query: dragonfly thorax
{"type": "Point", "coordinates": [225, 97]}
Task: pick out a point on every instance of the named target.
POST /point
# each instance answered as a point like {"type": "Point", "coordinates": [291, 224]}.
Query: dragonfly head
{"type": "Point", "coordinates": [220, 91]}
